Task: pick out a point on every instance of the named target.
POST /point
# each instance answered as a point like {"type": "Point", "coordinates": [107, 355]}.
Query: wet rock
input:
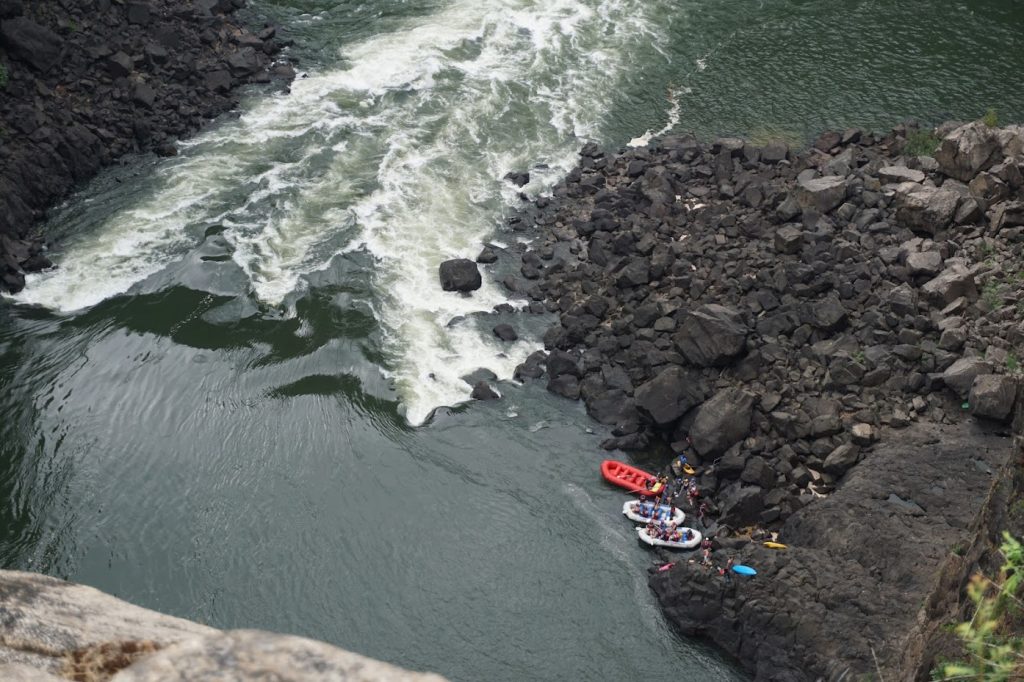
{"type": "Point", "coordinates": [460, 274]}
{"type": "Point", "coordinates": [711, 335]}
{"type": "Point", "coordinates": [487, 255]}
{"type": "Point", "coordinates": [960, 376]}
{"type": "Point", "coordinates": [505, 332]}
{"type": "Point", "coordinates": [670, 394]}
{"type": "Point", "coordinates": [992, 396]}
{"type": "Point", "coordinates": [532, 367]}
{"type": "Point", "coordinates": [565, 385]}
{"type": "Point", "coordinates": [615, 408]}
{"type": "Point", "coordinates": [722, 421]}
{"type": "Point", "coordinates": [969, 149]}
{"type": "Point", "coordinates": [483, 391]}
{"type": "Point", "coordinates": [559, 362]}
{"type": "Point", "coordinates": [519, 179]}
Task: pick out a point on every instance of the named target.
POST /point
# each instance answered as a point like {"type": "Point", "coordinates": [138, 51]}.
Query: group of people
{"type": "Point", "coordinates": [668, 532]}
{"type": "Point", "coordinates": [689, 487]}
{"type": "Point", "coordinates": [654, 509]}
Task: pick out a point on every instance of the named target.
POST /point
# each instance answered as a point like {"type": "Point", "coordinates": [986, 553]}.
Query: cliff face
{"type": "Point", "coordinates": [52, 630]}
{"type": "Point", "coordinates": [83, 82]}
{"type": "Point", "coordinates": [871, 571]}
{"type": "Point", "coordinates": [832, 336]}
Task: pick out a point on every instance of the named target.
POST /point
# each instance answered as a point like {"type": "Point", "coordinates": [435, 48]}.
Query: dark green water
{"type": "Point", "coordinates": [208, 407]}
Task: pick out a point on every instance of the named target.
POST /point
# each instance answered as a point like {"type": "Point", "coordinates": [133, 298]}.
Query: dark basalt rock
{"type": "Point", "coordinates": [711, 335]}
{"type": "Point", "coordinates": [505, 332]}
{"type": "Point", "coordinates": [140, 74]}
{"type": "Point", "coordinates": [459, 274]}
{"type": "Point", "coordinates": [670, 395]}
{"type": "Point", "coordinates": [27, 41]}
{"type": "Point", "coordinates": [722, 421]}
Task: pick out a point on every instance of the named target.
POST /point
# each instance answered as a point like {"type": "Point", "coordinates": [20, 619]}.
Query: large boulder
{"type": "Point", "coordinates": [31, 43]}
{"type": "Point", "coordinates": [992, 396]}
{"type": "Point", "coordinates": [670, 395]}
{"type": "Point", "coordinates": [954, 281]}
{"type": "Point", "coordinates": [741, 505]}
{"type": "Point", "coordinates": [460, 274]}
{"type": "Point", "coordinates": [960, 376]}
{"type": "Point", "coordinates": [722, 421]}
{"type": "Point", "coordinates": [613, 407]}
{"type": "Point", "coordinates": [711, 335]}
{"type": "Point", "coordinates": [926, 209]}
{"type": "Point", "coordinates": [822, 194]}
{"type": "Point", "coordinates": [969, 149]}
{"type": "Point", "coordinates": [841, 459]}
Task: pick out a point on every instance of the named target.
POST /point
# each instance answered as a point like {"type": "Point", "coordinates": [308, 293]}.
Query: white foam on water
{"type": "Point", "coordinates": [401, 153]}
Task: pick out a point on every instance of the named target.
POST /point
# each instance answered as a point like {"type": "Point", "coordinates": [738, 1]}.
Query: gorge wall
{"type": "Point", "coordinates": [832, 335]}
{"type": "Point", "coordinates": [84, 82]}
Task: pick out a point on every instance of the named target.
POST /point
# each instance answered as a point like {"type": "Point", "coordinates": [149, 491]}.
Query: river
{"type": "Point", "coordinates": [232, 400]}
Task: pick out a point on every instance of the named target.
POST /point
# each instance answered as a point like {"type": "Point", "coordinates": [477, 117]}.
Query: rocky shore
{"type": "Point", "coordinates": [53, 630]}
{"type": "Point", "coordinates": [832, 335]}
{"type": "Point", "coordinates": [84, 82]}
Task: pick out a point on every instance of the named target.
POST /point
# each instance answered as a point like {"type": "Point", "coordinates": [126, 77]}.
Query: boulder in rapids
{"type": "Point", "coordinates": [460, 274]}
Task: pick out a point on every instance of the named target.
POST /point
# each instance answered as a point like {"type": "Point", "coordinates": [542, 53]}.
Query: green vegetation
{"type": "Point", "coordinates": [991, 118]}
{"type": "Point", "coordinates": [994, 652]}
{"type": "Point", "coordinates": [921, 143]}
{"type": "Point", "coordinates": [992, 295]}
{"type": "Point", "coordinates": [1012, 363]}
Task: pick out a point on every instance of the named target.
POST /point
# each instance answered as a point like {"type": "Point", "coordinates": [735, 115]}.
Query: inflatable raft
{"type": "Point", "coordinates": [640, 512]}
{"type": "Point", "coordinates": [632, 479]}
{"type": "Point", "coordinates": [693, 543]}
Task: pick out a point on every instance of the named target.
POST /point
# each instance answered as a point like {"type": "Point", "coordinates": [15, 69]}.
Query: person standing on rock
{"type": "Point", "coordinates": [702, 510]}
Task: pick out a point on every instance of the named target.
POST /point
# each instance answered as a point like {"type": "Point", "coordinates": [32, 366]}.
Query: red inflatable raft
{"type": "Point", "coordinates": [632, 479]}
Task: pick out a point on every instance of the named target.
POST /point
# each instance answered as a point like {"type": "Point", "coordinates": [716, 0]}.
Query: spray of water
{"type": "Point", "coordinates": [401, 153]}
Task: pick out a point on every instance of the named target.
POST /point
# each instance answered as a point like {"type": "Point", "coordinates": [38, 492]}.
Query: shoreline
{"type": "Point", "coordinates": [801, 318]}
{"type": "Point", "coordinates": [82, 89]}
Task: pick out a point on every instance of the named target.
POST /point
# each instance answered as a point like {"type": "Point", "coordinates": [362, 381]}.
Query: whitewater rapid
{"type": "Point", "coordinates": [399, 150]}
